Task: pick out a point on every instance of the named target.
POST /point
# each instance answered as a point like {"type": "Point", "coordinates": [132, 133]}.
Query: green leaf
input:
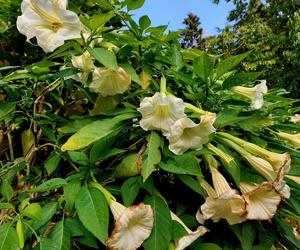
{"type": "Point", "coordinates": [134, 4]}
{"type": "Point", "coordinates": [184, 164]}
{"type": "Point", "coordinates": [203, 66]}
{"type": "Point", "coordinates": [131, 71]}
{"type": "Point", "coordinates": [99, 20]}
{"type": "Point", "coordinates": [240, 79]}
{"type": "Point", "coordinates": [92, 209]}
{"type": "Point", "coordinates": [152, 155]}
{"type": "Point", "coordinates": [52, 162]}
{"type": "Point", "coordinates": [128, 167]}
{"type": "Point", "coordinates": [61, 236]}
{"type": "Point", "coordinates": [79, 158]}
{"type": "Point", "coordinates": [46, 214]}
{"type": "Point", "coordinates": [229, 63]}
{"type": "Point", "coordinates": [130, 190]}
{"type": "Point", "coordinates": [9, 238]}
{"type": "Point", "coordinates": [5, 206]}
{"type": "Point", "coordinates": [161, 234]}
{"type": "Point", "coordinates": [177, 59]}
{"type": "Point", "coordinates": [91, 133]}
{"type": "Point", "coordinates": [144, 22]}
{"type": "Point", "coordinates": [70, 192]}
{"type": "Point", "coordinates": [47, 244]}
{"type": "Point", "coordinates": [49, 185]}
{"type": "Point", "coordinates": [105, 57]}
{"type": "Point", "coordinates": [6, 108]}
{"type": "Point", "coordinates": [192, 184]}
{"type": "Point", "coordinates": [6, 189]}
{"type": "Point", "coordinates": [33, 211]}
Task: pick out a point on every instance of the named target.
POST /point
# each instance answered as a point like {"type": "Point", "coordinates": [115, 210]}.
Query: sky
{"type": "Point", "coordinates": [174, 11]}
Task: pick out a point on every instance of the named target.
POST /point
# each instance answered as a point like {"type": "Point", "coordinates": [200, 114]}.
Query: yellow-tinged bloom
{"type": "Point", "coordinates": [185, 134]}
{"type": "Point", "coordinates": [49, 21]}
{"type": "Point", "coordinates": [294, 139]}
{"type": "Point", "coordinates": [108, 82]}
{"type": "Point", "coordinates": [133, 225]}
{"type": "Point", "coordinates": [262, 200]}
{"type": "Point", "coordinates": [255, 94]}
{"type": "Point", "coordinates": [279, 162]}
{"type": "Point", "coordinates": [160, 112]}
{"type": "Point", "coordinates": [295, 118]}
{"type": "Point", "coordinates": [228, 204]}
{"type": "Point", "coordinates": [83, 62]}
{"type": "Point", "coordinates": [183, 242]}
{"type": "Point", "coordinates": [261, 166]}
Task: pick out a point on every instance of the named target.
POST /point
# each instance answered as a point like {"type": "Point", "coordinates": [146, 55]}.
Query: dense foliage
{"type": "Point", "coordinates": [271, 30]}
{"type": "Point", "coordinates": [112, 135]}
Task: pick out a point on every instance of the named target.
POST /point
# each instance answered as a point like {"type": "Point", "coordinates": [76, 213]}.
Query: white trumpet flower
{"type": "Point", "coordinates": [294, 139]}
{"type": "Point", "coordinates": [108, 82]}
{"type": "Point", "coordinates": [83, 62]}
{"type": "Point", "coordinates": [160, 112]}
{"type": "Point", "coordinates": [255, 94]}
{"type": "Point", "coordinates": [185, 134]}
{"type": "Point", "coordinates": [49, 21]}
{"type": "Point", "coordinates": [227, 204]}
{"type": "Point", "coordinates": [262, 200]}
{"type": "Point", "coordinates": [295, 118]}
{"type": "Point", "coordinates": [183, 242]}
{"type": "Point", "coordinates": [133, 225]}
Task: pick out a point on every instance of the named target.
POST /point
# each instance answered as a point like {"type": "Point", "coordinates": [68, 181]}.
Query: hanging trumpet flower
{"type": "Point", "coordinates": [133, 225]}
{"type": "Point", "coordinates": [255, 94]}
{"type": "Point", "coordinates": [294, 139]}
{"type": "Point", "coordinates": [185, 134]}
{"type": "Point", "coordinates": [183, 242]}
{"type": "Point", "coordinates": [222, 202]}
{"type": "Point", "coordinates": [49, 21]}
{"type": "Point", "coordinates": [262, 200]}
{"type": "Point", "coordinates": [108, 82]}
{"type": "Point", "coordinates": [160, 112]}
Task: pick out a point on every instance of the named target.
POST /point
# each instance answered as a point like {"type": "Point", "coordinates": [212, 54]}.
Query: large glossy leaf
{"type": "Point", "coordinates": [93, 132]}
{"type": "Point", "coordinates": [183, 164]}
{"type": "Point", "coordinates": [130, 189]}
{"type": "Point", "coordinates": [161, 234]}
{"type": "Point", "coordinates": [134, 4]}
{"type": "Point", "coordinates": [240, 79]}
{"type": "Point", "coordinates": [105, 57]}
{"type": "Point", "coordinates": [152, 155]}
{"type": "Point", "coordinates": [61, 236]}
{"type": "Point", "coordinates": [46, 214]}
{"type": "Point", "coordinates": [203, 66]}
{"type": "Point", "coordinates": [8, 237]}
{"type": "Point", "coordinates": [92, 209]}
{"type": "Point", "coordinates": [229, 63]}
{"type": "Point", "coordinates": [47, 244]}
{"type": "Point", "coordinates": [50, 185]}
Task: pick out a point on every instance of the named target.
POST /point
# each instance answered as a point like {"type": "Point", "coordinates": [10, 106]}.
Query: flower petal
{"type": "Point", "coordinates": [229, 206]}
{"type": "Point", "coordinates": [132, 228]}
{"type": "Point", "coordinates": [262, 201]}
{"type": "Point", "coordinates": [108, 82]}
{"type": "Point", "coordinates": [160, 111]}
{"type": "Point", "coordinates": [185, 134]}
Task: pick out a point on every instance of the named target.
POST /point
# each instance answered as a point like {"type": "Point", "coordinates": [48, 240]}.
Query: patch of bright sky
{"type": "Point", "coordinates": [173, 12]}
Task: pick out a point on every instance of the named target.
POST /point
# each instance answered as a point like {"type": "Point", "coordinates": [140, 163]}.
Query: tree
{"type": "Point", "coordinates": [192, 35]}
{"type": "Point", "coordinates": [271, 30]}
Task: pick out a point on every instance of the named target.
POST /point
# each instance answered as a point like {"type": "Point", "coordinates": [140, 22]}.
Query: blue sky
{"type": "Point", "coordinates": [174, 11]}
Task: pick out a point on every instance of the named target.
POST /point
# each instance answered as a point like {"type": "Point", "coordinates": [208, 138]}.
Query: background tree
{"type": "Point", "coordinates": [271, 29]}
{"type": "Point", "coordinates": [192, 35]}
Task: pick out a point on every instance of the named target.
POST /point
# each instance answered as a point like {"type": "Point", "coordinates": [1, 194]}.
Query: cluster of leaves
{"type": "Point", "coordinates": [271, 30]}
{"type": "Point", "coordinates": [56, 136]}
